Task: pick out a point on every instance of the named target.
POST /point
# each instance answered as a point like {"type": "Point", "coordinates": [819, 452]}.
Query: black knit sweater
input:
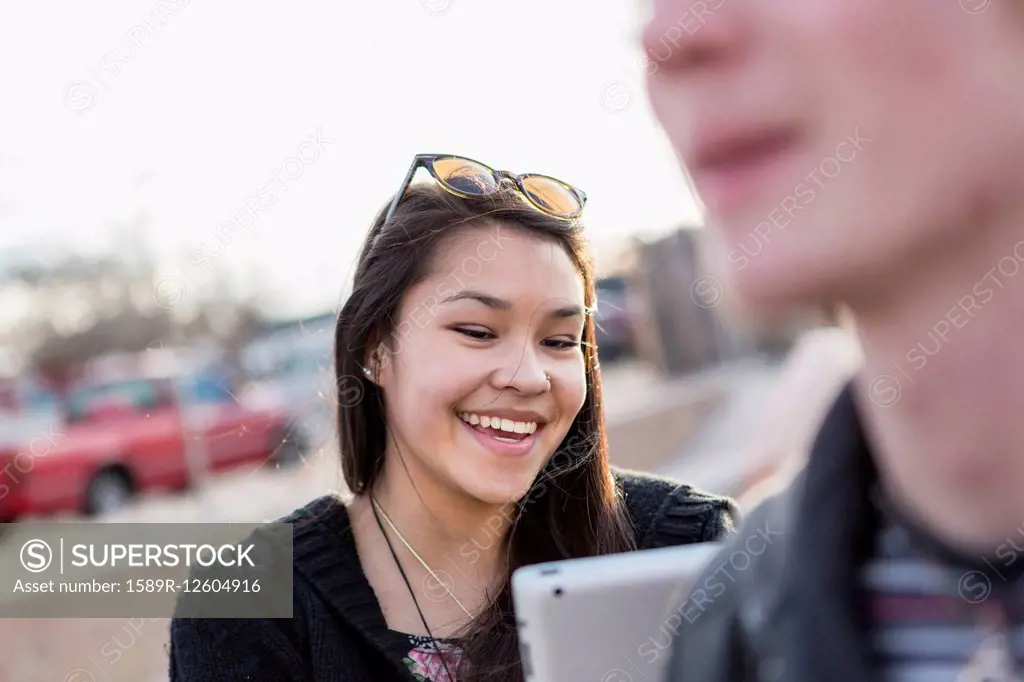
{"type": "Point", "coordinates": [338, 632]}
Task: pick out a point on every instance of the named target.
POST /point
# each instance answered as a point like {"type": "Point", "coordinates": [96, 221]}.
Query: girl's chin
{"type": "Point", "coordinates": [509, 492]}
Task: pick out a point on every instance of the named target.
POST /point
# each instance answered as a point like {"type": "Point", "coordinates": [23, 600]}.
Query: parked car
{"type": "Point", "coordinates": [292, 370]}
{"type": "Point", "coordinates": [128, 436]}
{"type": "Point", "coordinates": [27, 410]}
{"type": "Point", "coordinates": [614, 319]}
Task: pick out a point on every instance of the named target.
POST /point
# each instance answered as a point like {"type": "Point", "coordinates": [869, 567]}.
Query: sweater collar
{"type": "Point", "coordinates": [832, 536]}
{"type": "Point", "coordinates": [326, 557]}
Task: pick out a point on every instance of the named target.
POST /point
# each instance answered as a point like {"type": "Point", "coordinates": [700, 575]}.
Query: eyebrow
{"type": "Point", "coordinates": [496, 303]}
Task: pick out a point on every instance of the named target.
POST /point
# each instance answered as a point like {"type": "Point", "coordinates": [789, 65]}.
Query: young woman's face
{"type": "Point", "coordinates": [466, 381]}
{"type": "Point", "coordinates": [835, 142]}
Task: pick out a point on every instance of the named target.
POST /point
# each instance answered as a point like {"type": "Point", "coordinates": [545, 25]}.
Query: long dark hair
{"type": "Point", "coordinates": [573, 508]}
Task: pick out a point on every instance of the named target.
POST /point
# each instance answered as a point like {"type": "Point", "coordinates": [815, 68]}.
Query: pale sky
{"type": "Point", "coordinates": [214, 98]}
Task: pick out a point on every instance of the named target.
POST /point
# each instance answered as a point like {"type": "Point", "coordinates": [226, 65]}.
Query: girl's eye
{"type": "Point", "coordinates": [563, 344]}
{"type": "Point", "coordinates": [474, 333]}
{"type": "Point", "coordinates": [478, 334]}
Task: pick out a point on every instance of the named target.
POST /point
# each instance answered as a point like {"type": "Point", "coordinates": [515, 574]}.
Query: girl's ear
{"type": "Point", "coordinates": [377, 360]}
{"type": "Point", "coordinates": [383, 365]}
{"type": "Point", "coordinates": [371, 365]}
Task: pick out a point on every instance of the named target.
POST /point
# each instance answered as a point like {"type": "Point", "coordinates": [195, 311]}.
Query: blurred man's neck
{"type": "Point", "coordinates": [942, 391]}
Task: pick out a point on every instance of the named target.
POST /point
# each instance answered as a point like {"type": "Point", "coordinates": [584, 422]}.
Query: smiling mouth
{"type": "Point", "coordinates": [502, 430]}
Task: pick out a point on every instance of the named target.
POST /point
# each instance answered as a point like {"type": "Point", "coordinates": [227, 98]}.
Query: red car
{"type": "Point", "coordinates": [125, 437]}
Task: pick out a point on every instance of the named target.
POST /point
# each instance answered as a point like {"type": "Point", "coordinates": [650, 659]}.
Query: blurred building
{"type": "Point", "coordinates": [681, 324]}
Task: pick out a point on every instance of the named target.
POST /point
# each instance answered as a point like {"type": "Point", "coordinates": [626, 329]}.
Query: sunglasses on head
{"type": "Point", "coordinates": [471, 179]}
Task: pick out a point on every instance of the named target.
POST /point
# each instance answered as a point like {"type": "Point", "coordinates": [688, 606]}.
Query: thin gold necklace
{"type": "Point", "coordinates": [412, 551]}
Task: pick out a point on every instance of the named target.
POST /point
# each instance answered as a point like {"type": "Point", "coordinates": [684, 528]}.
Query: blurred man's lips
{"type": "Point", "coordinates": [729, 167]}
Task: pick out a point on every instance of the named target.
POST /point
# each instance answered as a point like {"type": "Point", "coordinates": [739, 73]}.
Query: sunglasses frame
{"type": "Point", "coordinates": [427, 161]}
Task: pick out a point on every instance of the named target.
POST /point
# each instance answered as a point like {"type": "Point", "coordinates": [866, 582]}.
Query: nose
{"type": "Point", "coordinates": [684, 34]}
{"type": "Point", "coordinates": [523, 373]}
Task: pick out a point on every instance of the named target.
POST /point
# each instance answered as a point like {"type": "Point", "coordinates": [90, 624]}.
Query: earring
{"type": "Point", "coordinates": [367, 372]}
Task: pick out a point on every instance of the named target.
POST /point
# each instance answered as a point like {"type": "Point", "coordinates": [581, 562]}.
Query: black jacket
{"type": "Point", "coordinates": [338, 632]}
{"type": "Point", "coordinates": [780, 603]}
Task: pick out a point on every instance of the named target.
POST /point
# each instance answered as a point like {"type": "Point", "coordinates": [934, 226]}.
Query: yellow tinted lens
{"type": "Point", "coordinates": [465, 176]}
{"type": "Point", "coordinates": [552, 196]}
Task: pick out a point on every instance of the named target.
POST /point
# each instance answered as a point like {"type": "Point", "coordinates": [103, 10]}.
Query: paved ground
{"type": "Point", "coordinates": [764, 432]}
{"type": "Point", "coordinates": [721, 451]}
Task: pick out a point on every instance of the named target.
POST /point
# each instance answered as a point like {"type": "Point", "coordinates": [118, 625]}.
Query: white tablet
{"type": "Point", "coordinates": [605, 619]}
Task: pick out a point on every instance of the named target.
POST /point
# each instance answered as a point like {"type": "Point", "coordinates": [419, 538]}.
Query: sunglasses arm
{"type": "Point", "coordinates": [416, 163]}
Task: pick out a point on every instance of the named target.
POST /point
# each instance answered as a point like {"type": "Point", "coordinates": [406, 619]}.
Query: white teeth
{"type": "Point", "coordinates": [499, 424]}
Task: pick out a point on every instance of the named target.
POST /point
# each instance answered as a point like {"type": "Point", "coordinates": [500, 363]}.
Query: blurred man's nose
{"type": "Point", "coordinates": [686, 34]}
